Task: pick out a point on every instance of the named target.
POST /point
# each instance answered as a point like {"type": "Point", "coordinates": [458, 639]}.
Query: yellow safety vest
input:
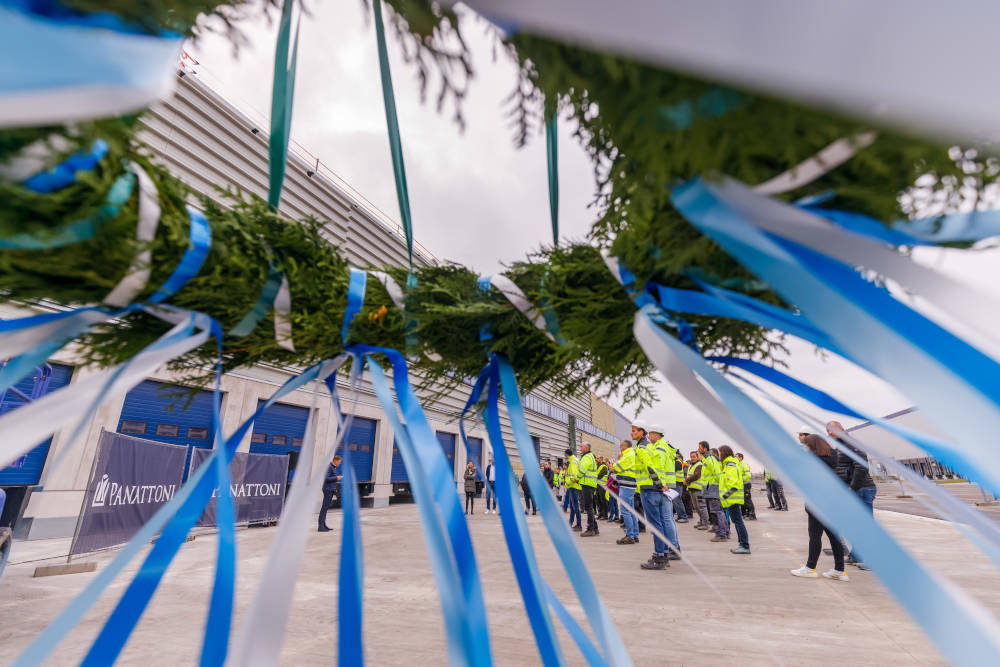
{"type": "Point", "coordinates": [666, 468]}
{"type": "Point", "coordinates": [588, 470]}
{"type": "Point", "coordinates": [573, 473]}
{"type": "Point", "coordinates": [746, 472]}
{"type": "Point", "coordinates": [624, 468]}
{"type": "Point", "coordinates": [697, 484]}
{"type": "Point", "coordinates": [731, 486]}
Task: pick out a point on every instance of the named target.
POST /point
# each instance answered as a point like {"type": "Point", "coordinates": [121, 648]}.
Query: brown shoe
{"type": "Point", "coordinates": [577, 528]}
{"type": "Point", "coordinates": [625, 540]}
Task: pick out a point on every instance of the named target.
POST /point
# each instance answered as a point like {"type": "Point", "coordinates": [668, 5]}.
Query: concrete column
{"type": "Point", "coordinates": [382, 464]}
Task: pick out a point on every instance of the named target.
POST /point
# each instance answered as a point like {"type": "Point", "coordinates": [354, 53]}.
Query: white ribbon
{"type": "Point", "coordinates": [139, 271]}
{"type": "Point", "coordinates": [395, 293]}
{"type": "Point", "coordinates": [33, 158]}
{"type": "Point", "coordinates": [520, 301]}
{"type": "Point", "coordinates": [966, 303]}
{"type": "Point", "coordinates": [32, 423]}
{"type": "Point", "coordinates": [809, 170]}
{"type": "Point", "coordinates": [282, 309]}
{"type": "Point", "coordinates": [262, 633]}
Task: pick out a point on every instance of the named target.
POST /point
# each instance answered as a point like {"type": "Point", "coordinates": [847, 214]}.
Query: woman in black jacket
{"type": "Point", "coordinates": [470, 488]}
{"type": "Point", "coordinates": [827, 455]}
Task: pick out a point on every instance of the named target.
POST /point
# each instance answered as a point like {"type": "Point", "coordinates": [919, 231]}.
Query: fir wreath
{"type": "Point", "coordinates": [626, 114]}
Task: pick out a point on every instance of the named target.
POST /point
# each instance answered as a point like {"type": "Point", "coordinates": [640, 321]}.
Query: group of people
{"type": "Point", "coordinates": [651, 484]}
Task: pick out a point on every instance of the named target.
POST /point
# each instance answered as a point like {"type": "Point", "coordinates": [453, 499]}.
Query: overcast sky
{"type": "Point", "coordinates": [475, 199]}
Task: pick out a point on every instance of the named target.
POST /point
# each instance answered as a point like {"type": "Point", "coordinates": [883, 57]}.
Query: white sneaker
{"type": "Point", "coordinates": [807, 572]}
{"type": "Point", "coordinates": [493, 511]}
{"type": "Point", "coordinates": [836, 574]}
{"type": "Point", "coordinates": [486, 512]}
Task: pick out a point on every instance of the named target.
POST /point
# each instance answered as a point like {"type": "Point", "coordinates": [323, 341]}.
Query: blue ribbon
{"type": "Point", "coordinates": [199, 243]}
{"type": "Point", "coordinates": [355, 300]}
{"type": "Point", "coordinates": [79, 230]}
{"type": "Point", "coordinates": [65, 172]}
{"type": "Point", "coordinates": [954, 457]}
{"type": "Point", "coordinates": [944, 614]}
{"type": "Point", "coordinates": [587, 648]}
{"type": "Point", "coordinates": [57, 12]}
{"type": "Point", "coordinates": [563, 540]}
{"type": "Point", "coordinates": [514, 527]}
{"type": "Point", "coordinates": [127, 613]}
{"type": "Point", "coordinates": [461, 645]}
{"type": "Point", "coordinates": [866, 226]}
{"type": "Point", "coordinates": [350, 609]}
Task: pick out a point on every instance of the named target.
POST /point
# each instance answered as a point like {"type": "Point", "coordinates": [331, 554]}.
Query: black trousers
{"type": "Point", "coordinates": [602, 503]}
{"type": "Point", "coordinates": [589, 495]}
{"type": "Point", "coordinates": [327, 499]}
{"type": "Point", "coordinates": [816, 530]}
{"type": "Point", "coordinates": [769, 485]}
{"type": "Point", "coordinates": [748, 508]}
{"type": "Point", "coordinates": [470, 502]}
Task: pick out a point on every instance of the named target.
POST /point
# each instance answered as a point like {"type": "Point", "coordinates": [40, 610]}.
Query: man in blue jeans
{"type": "Point", "coordinates": [856, 475]}
{"type": "Point", "coordinates": [489, 489]}
{"type": "Point", "coordinates": [625, 477]}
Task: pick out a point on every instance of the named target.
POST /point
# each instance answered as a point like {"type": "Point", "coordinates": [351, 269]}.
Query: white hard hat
{"type": "Point", "coordinates": [805, 429]}
{"type": "Point", "coordinates": [641, 424]}
{"type": "Point", "coordinates": [656, 428]}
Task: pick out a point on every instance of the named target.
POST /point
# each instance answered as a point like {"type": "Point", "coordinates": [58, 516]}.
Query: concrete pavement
{"type": "Point", "coordinates": [666, 617]}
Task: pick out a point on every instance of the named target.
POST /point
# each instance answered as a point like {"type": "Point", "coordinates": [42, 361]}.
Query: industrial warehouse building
{"type": "Point", "coordinates": [208, 143]}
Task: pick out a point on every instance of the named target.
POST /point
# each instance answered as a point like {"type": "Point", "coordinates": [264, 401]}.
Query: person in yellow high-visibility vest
{"type": "Point", "coordinates": [573, 488]}
{"type": "Point", "coordinates": [731, 494]}
{"type": "Point", "coordinates": [749, 512]}
{"type": "Point", "coordinates": [588, 484]}
{"type": "Point", "coordinates": [711, 474]}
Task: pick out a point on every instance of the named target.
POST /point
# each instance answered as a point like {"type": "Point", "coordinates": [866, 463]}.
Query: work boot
{"type": "Point", "coordinates": [672, 555]}
{"type": "Point", "coordinates": [717, 538]}
{"type": "Point", "coordinates": [654, 563]}
{"type": "Point", "coordinates": [588, 533]}
{"type": "Point", "coordinates": [577, 528]}
{"type": "Point", "coordinates": [324, 529]}
{"type": "Point", "coordinates": [624, 540]}
{"type": "Point", "coordinates": [703, 526]}
{"type": "Point", "coordinates": [682, 520]}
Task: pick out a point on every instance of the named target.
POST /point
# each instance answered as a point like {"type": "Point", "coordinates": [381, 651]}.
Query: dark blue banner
{"type": "Point", "coordinates": [131, 479]}
{"type": "Point", "coordinates": [257, 485]}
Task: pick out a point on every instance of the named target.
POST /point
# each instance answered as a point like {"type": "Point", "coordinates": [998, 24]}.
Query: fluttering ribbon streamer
{"type": "Point", "coordinates": [261, 634]}
{"type": "Point", "coordinates": [807, 171]}
{"type": "Point", "coordinates": [552, 162]}
{"type": "Point", "coordinates": [566, 546]}
{"type": "Point", "coordinates": [515, 529]}
{"type": "Point", "coordinates": [138, 272]}
{"type": "Point", "coordinates": [133, 602]}
{"type": "Point", "coordinates": [188, 502]}
{"type": "Point", "coordinates": [955, 385]}
{"type": "Point", "coordinates": [431, 485]}
{"type": "Point", "coordinates": [260, 309]}
{"type": "Point", "coordinates": [954, 457]}
{"type": "Point", "coordinates": [78, 230]}
{"type": "Point", "coordinates": [72, 66]}
{"type": "Point", "coordinates": [862, 224]}
{"type": "Point", "coordinates": [282, 95]}
{"type": "Point", "coordinates": [392, 125]}
{"type": "Point", "coordinates": [960, 627]}
{"type": "Point", "coordinates": [64, 173]}
{"type": "Point", "coordinates": [390, 285]}
{"type": "Point", "coordinates": [986, 534]}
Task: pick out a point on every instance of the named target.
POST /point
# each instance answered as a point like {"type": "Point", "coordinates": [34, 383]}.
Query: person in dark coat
{"type": "Point", "coordinates": [470, 488]}
{"type": "Point", "coordinates": [856, 475]}
{"type": "Point", "coordinates": [331, 488]}
{"type": "Point", "coordinates": [529, 501]}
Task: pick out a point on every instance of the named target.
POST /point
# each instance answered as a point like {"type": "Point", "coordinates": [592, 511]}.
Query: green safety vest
{"type": "Point", "coordinates": [746, 472]}
{"type": "Point", "coordinates": [697, 484]}
{"type": "Point", "coordinates": [588, 470]}
{"type": "Point", "coordinates": [602, 474]}
{"type": "Point", "coordinates": [666, 468]}
{"type": "Point", "coordinates": [731, 486]}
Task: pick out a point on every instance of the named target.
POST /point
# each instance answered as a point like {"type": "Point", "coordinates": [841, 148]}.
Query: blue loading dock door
{"type": "Point", "coordinates": [27, 469]}
{"type": "Point", "coordinates": [447, 441]}
{"type": "Point", "coordinates": [157, 411]}
{"type": "Point", "coordinates": [361, 441]}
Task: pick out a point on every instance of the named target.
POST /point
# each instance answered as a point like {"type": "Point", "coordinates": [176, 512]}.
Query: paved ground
{"type": "Point", "coordinates": [665, 617]}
